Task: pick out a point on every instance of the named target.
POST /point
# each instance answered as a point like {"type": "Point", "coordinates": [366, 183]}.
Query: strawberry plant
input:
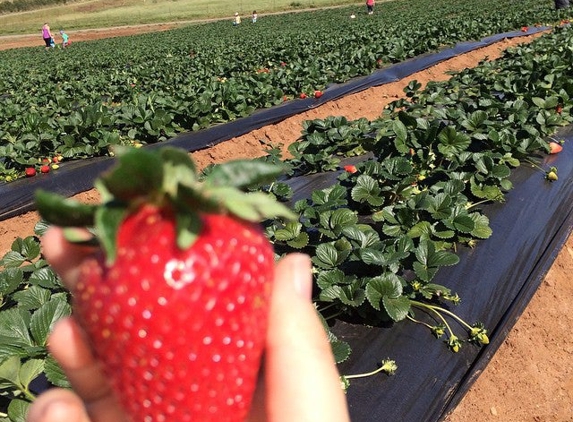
{"type": "Point", "coordinates": [383, 228]}
{"type": "Point", "coordinates": [32, 299]}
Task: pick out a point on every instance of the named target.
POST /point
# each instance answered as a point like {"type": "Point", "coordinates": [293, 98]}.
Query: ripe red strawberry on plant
{"type": "Point", "coordinates": [555, 148]}
{"type": "Point", "coordinates": [176, 303]}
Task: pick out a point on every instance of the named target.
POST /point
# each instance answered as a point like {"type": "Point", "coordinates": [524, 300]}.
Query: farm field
{"type": "Point", "coordinates": [499, 393]}
{"type": "Point", "coordinates": [495, 408]}
{"type": "Point", "coordinates": [105, 13]}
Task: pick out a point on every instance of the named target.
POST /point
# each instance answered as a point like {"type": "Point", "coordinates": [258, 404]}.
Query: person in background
{"type": "Point", "coordinates": [64, 38]}
{"type": "Point", "coordinates": [370, 6]}
{"type": "Point", "coordinates": [47, 36]}
{"type": "Point", "coordinates": [254, 17]}
{"type": "Point", "coordinates": [237, 19]}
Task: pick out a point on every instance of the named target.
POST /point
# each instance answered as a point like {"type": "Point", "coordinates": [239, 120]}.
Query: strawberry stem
{"type": "Point", "coordinates": [388, 366]}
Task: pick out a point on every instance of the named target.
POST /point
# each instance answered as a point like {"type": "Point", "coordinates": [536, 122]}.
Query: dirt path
{"type": "Point", "coordinates": [531, 376]}
{"type": "Point", "coordinates": [8, 42]}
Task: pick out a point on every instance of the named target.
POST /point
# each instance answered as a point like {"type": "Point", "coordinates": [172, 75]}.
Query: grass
{"type": "Point", "coordinates": [110, 13]}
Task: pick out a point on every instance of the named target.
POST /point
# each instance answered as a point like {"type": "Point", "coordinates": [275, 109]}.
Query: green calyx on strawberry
{"type": "Point", "coordinates": [176, 305]}
{"type": "Point", "coordinates": [168, 179]}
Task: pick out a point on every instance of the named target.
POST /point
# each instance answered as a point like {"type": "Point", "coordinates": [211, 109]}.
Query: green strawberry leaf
{"type": "Point", "coordinates": [41, 227]}
{"type": "Point", "coordinates": [29, 371]}
{"type": "Point", "coordinates": [484, 191]}
{"type": "Point", "coordinates": [423, 272]}
{"type": "Point", "coordinates": [328, 256]}
{"type": "Point", "coordinates": [462, 223]}
{"type": "Point", "coordinates": [452, 142]}
{"type": "Point", "coordinates": [481, 230]}
{"type": "Point", "coordinates": [282, 190]}
{"type": "Point", "coordinates": [55, 374]}
{"type": "Point", "coordinates": [178, 168]}
{"type": "Point", "coordinates": [330, 278]}
{"type": "Point", "coordinates": [64, 212]}
{"type": "Point", "coordinates": [475, 120]}
{"type": "Point", "coordinates": [367, 190]}
{"type": "Point", "coordinates": [396, 307]}
{"type": "Point", "coordinates": [32, 298]}
{"type": "Point", "coordinates": [299, 242]}
{"type": "Point", "coordinates": [107, 222]}
{"type": "Point", "coordinates": [14, 326]}
{"type": "Point", "coordinates": [12, 259]}
{"type": "Point", "coordinates": [500, 171]}
{"type": "Point", "coordinates": [340, 349]}
{"type": "Point", "coordinates": [244, 174]}
{"type": "Point", "coordinates": [291, 230]}
{"type": "Point", "coordinates": [10, 372]}
{"type": "Point", "coordinates": [400, 141]}
{"type": "Point", "coordinates": [17, 410]}
{"type": "Point", "coordinates": [10, 279]}
{"type": "Point", "coordinates": [429, 260]}
{"type": "Point", "coordinates": [351, 295]}
{"type": "Point", "coordinates": [45, 277]}
{"type": "Point", "coordinates": [46, 316]}
{"type": "Point", "coordinates": [423, 229]}
{"type": "Point", "coordinates": [362, 236]}
{"type": "Point", "coordinates": [392, 230]}
{"type": "Point", "coordinates": [385, 286]}
{"type": "Point", "coordinates": [137, 174]}
{"type": "Point", "coordinates": [28, 247]}
{"type": "Point", "coordinates": [440, 206]}
{"type": "Point", "coordinates": [333, 223]}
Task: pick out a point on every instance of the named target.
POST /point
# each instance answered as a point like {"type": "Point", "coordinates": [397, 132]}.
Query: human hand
{"type": "Point", "coordinates": [299, 380]}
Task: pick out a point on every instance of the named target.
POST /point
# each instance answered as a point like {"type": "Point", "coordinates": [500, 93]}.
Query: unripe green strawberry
{"type": "Point", "coordinates": [176, 304]}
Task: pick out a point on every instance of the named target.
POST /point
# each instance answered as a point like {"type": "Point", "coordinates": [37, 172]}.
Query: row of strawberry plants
{"type": "Point", "coordinates": [81, 102]}
{"type": "Point", "coordinates": [379, 234]}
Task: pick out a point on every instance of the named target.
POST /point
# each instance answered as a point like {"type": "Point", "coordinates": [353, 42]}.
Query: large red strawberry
{"type": "Point", "coordinates": [176, 304]}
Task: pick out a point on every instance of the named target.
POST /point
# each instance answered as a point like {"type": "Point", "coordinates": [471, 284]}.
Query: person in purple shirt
{"type": "Point", "coordinates": [47, 36]}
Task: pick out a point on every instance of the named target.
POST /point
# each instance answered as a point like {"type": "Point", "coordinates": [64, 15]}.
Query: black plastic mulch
{"type": "Point", "coordinates": [496, 280]}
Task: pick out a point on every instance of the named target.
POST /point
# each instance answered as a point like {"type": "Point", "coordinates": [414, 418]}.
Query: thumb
{"type": "Point", "coordinates": [302, 382]}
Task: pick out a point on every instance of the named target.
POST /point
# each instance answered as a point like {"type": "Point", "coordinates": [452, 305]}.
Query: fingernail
{"type": "Point", "coordinates": [62, 409]}
{"type": "Point", "coordinates": [302, 275]}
